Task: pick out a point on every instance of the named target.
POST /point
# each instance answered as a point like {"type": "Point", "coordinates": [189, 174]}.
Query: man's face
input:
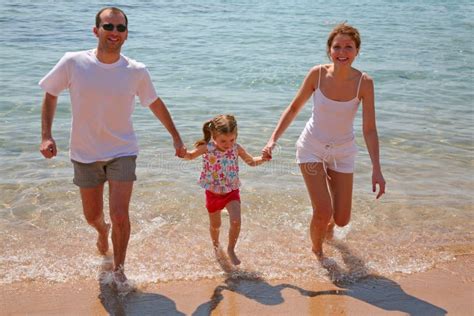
{"type": "Point", "coordinates": [108, 32]}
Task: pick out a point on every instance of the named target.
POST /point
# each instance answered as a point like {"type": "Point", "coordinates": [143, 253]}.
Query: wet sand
{"type": "Point", "coordinates": [447, 288]}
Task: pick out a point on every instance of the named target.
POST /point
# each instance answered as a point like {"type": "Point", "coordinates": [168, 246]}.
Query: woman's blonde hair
{"type": "Point", "coordinates": [221, 124]}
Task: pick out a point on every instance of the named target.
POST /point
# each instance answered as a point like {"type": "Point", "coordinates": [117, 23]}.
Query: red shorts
{"type": "Point", "coordinates": [216, 202]}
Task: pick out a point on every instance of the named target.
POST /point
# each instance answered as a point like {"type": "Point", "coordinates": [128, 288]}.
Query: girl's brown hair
{"type": "Point", "coordinates": [344, 29]}
{"type": "Point", "coordinates": [221, 124]}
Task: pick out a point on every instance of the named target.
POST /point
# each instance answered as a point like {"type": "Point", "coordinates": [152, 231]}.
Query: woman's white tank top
{"type": "Point", "coordinates": [331, 121]}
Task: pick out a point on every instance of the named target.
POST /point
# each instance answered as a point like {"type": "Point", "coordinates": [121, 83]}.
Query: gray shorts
{"type": "Point", "coordinates": [88, 175]}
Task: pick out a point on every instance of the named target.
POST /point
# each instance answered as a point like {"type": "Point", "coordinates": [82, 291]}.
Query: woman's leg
{"type": "Point", "coordinates": [341, 191]}
{"type": "Point", "coordinates": [316, 183]}
{"type": "Point", "coordinates": [233, 208]}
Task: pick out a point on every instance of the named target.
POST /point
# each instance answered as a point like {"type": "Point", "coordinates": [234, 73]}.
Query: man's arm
{"type": "Point", "coordinates": [48, 145]}
{"type": "Point", "coordinates": [161, 112]}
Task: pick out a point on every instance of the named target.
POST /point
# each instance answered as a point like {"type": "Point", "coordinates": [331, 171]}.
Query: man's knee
{"type": "Point", "coordinates": [93, 216]}
{"type": "Point", "coordinates": [93, 220]}
{"type": "Point", "coordinates": [119, 218]}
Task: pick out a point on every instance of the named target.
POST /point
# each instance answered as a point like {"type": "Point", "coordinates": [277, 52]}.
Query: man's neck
{"type": "Point", "coordinates": [106, 57]}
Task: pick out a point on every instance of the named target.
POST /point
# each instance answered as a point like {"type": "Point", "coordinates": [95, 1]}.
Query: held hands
{"type": "Point", "coordinates": [48, 148]}
{"type": "Point", "coordinates": [180, 149]}
{"type": "Point", "coordinates": [267, 151]}
{"type": "Point", "coordinates": [377, 178]}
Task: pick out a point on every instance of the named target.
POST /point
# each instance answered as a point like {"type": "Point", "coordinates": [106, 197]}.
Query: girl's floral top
{"type": "Point", "coordinates": [220, 169]}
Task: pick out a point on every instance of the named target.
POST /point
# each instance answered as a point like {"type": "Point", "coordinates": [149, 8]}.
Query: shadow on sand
{"type": "Point", "coordinates": [354, 281]}
{"type": "Point", "coordinates": [134, 302]}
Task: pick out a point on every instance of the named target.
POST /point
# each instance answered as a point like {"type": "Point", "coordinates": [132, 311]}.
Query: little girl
{"type": "Point", "coordinates": [220, 175]}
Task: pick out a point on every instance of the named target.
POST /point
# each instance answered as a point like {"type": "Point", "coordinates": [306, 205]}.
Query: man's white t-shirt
{"type": "Point", "coordinates": [102, 99]}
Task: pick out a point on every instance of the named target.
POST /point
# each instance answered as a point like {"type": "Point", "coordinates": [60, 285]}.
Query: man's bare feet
{"type": "Point", "coordinates": [233, 257]}
{"type": "Point", "coordinates": [121, 283]}
{"type": "Point", "coordinates": [103, 240]}
{"type": "Point", "coordinates": [119, 276]}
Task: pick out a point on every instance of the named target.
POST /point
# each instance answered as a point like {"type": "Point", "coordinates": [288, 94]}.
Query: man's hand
{"type": "Point", "coordinates": [48, 148]}
{"type": "Point", "coordinates": [180, 149]}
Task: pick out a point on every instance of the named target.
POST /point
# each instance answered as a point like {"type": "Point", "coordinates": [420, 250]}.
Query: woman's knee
{"type": "Point", "coordinates": [342, 220]}
{"type": "Point", "coordinates": [322, 215]}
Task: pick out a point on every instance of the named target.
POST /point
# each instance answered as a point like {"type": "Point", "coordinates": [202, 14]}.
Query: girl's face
{"type": "Point", "coordinates": [225, 141]}
{"type": "Point", "coordinates": [343, 50]}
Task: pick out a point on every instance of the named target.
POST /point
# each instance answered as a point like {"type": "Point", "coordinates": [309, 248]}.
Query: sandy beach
{"type": "Point", "coordinates": [448, 288]}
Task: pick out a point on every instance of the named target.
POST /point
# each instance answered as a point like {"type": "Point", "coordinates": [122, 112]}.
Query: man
{"type": "Point", "coordinates": [103, 84]}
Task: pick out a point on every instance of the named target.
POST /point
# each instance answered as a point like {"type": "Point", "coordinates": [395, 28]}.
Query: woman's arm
{"type": "Point", "coordinates": [371, 138]}
{"type": "Point", "coordinates": [303, 94]}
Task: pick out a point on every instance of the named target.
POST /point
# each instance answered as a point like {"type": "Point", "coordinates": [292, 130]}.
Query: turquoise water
{"type": "Point", "coordinates": [247, 59]}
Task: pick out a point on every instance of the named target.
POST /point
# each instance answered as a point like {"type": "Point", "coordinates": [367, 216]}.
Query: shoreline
{"type": "Point", "coordinates": [446, 288]}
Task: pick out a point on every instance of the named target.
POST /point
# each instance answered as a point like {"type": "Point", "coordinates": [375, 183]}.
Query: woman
{"type": "Point", "coordinates": [326, 148]}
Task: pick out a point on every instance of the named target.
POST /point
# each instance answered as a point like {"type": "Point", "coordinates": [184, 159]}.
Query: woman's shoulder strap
{"type": "Point", "coordinates": [358, 86]}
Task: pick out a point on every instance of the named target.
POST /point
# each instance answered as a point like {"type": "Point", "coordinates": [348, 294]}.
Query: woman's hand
{"type": "Point", "coordinates": [267, 150]}
{"type": "Point", "coordinates": [377, 178]}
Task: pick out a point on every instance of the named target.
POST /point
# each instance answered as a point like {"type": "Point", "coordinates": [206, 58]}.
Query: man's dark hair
{"type": "Point", "coordinates": [113, 9]}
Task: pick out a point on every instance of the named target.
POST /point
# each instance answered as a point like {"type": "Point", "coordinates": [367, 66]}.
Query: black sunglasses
{"type": "Point", "coordinates": [110, 27]}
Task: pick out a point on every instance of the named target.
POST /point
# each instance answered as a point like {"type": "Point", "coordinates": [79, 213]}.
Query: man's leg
{"type": "Point", "coordinates": [93, 205]}
{"type": "Point", "coordinates": [120, 193]}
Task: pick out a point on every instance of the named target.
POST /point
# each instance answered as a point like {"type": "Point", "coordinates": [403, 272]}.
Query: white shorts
{"type": "Point", "coordinates": [337, 157]}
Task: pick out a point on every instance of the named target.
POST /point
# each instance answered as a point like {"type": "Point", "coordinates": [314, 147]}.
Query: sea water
{"type": "Point", "coordinates": [246, 58]}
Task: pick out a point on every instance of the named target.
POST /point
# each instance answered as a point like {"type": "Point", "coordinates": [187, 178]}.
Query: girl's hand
{"type": "Point", "coordinates": [377, 178]}
{"type": "Point", "coordinates": [267, 151]}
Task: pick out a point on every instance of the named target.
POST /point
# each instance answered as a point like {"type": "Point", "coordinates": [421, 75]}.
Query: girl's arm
{"type": "Point", "coordinates": [249, 159]}
{"type": "Point", "coordinates": [370, 133]}
{"type": "Point", "coordinates": [196, 152]}
{"type": "Point", "coordinates": [303, 94]}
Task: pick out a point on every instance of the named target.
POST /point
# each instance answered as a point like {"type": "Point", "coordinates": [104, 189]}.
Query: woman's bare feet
{"type": "Point", "coordinates": [233, 257]}
{"type": "Point", "coordinates": [103, 240]}
{"type": "Point", "coordinates": [330, 230]}
{"type": "Point", "coordinates": [318, 251]}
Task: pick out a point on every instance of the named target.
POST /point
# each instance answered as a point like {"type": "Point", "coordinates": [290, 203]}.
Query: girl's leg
{"type": "Point", "coordinates": [233, 208]}
{"type": "Point", "coordinates": [316, 183]}
{"type": "Point", "coordinates": [214, 227]}
{"type": "Point", "coordinates": [341, 192]}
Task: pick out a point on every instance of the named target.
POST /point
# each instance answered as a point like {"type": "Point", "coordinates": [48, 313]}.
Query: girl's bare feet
{"type": "Point", "coordinates": [233, 257]}
{"type": "Point", "coordinates": [103, 240]}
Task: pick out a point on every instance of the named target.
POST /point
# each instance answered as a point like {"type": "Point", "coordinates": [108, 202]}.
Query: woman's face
{"type": "Point", "coordinates": [343, 50]}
